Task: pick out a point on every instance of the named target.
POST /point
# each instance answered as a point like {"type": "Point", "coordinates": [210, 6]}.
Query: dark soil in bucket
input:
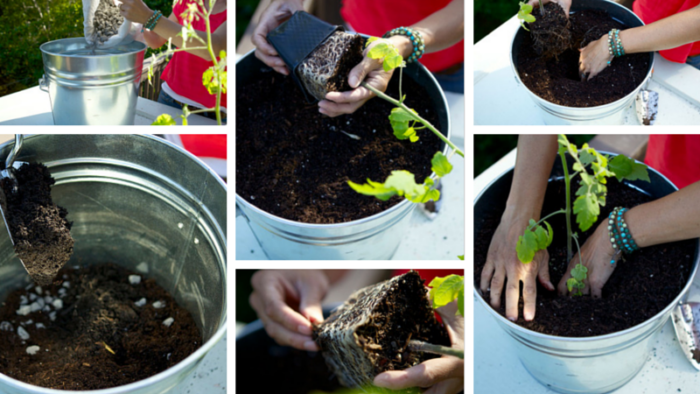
{"type": "Point", "coordinates": [640, 287]}
{"type": "Point", "coordinates": [95, 328]}
{"type": "Point", "coordinates": [550, 33]}
{"type": "Point", "coordinates": [294, 162]}
{"type": "Point", "coordinates": [557, 79]}
{"type": "Point", "coordinates": [373, 329]}
{"type": "Point", "coordinates": [39, 227]}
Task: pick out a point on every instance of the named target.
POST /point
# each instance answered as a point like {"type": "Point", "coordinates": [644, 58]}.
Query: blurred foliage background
{"type": "Point", "coordinates": [489, 14]}
{"type": "Point", "coordinates": [489, 148]}
{"type": "Point", "coordinates": [244, 12]}
{"type": "Point", "coordinates": [25, 25]}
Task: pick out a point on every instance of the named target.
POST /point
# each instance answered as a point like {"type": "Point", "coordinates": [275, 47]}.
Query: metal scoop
{"type": "Point", "coordinates": [686, 321]}
{"type": "Point", "coordinates": [8, 173]}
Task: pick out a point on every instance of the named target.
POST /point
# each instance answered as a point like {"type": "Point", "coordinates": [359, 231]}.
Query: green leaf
{"type": "Point", "coordinates": [542, 237]}
{"type": "Point", "coordinates": [580, 272]}
{"type": "Point", "coordinates": [445, 290]}
{"type": "Point", "coordinates": [399, 114]}
{"type": "Point", "coordinates": [388, 52]}
{"type": "Point", "coordinates": [550, 234]}
{"type": "Point", "coordinates": [626, 168]}
{"type": "Point", "coordinates": [460, 302]}
{"type": "Point", "coordinates": [440, 164]}
{"type": "Point", "coordinates": [526, 8]}
{"type": "Point", "coordinates": [529, 18]}
{"type": "Point", "coordinates": [375, 189]}
{"type": "Point", "coordinates": [371, 40]}
{"type": "Point", "coordinates": [572, 283]}
{"type": "Point", "coordinates": [399, 183]}
{"type": "Point", "coordinates": [586, 157]}
{"type": "Point", "coordinates": [526, 247]}
{"type": "Point", "coordinates": [461, 257]}
{"type": "Point", "coordinates": [164, 120]}
{"type": "Point", "coordinates": [587, 210]}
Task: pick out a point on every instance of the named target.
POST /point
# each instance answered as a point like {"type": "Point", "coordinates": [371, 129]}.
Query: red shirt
{"type": "Point", "coordinates": [376, 17]}
{"type": "Point", "coordinates": [184, 71]}
{"type": "Point", "coordinates": [653, 10]}
{"type": "Point", "coordinates": [676, 157]}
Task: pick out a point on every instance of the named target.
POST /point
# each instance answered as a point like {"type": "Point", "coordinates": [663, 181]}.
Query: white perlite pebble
{"type": "Point", "coordinates": [158, 304]}
{"type": "Point", "coordinates": [40, 325]}
{"type": "Point", "coordinates": [134, 279]}
{"type": "Point", "coordinates": [38, 290]}
{"type": "Point", "coordinates": [35, 306]}
{"type": "Point", "coordinates": [167, 322]}
{"type": "Point", "coordinates": [142, 268]}
{"type": "Point", "coordinates": [30, 321]}
{"type": "Point", "coordinates": [23, 299]}
{"type": "Point", "coordinates": [140, 302]}
{"type": "Point", "coordinates": [32, 350]}
{"type": "Point", "coordinates": [52, 315]}
{"type": "Point", "coordinates": [22, 333]}
{"type": "Point", "coordinates": [6, 326]}
{"type": "Point", "coordinates": [43, 301]}
{"type": "Point", "coordinates": [62, 292]}
{"type": "Point", "coordinates": [57, 303]}
{"type": "Point", "coordinates": [24, 310]}
{"type": "Point", "coordinates": [66, 285]}
{"type": "Point", "coordinates": [32, 297]}
{"type": "Point", "coordinates": [48, 299]}
{"type": "Point", "coordinates": [46, 308]}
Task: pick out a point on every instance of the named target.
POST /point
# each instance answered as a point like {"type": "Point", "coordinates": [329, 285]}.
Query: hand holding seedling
{"type": "Point", "coordinates": [288, 303]}
{"type": "Point", "coordinates": [596, 254]}
{"type": "Point", "coordinates": [565, 4]}
{"type": "Point", "coordinates": [276, 13]}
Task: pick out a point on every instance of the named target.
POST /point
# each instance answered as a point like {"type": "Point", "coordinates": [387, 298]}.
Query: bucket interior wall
{"type": "Point", "coordinates": [133, 200]}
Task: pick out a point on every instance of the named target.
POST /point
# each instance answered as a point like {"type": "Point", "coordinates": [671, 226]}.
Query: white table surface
{"type": "Point", "coordinates": [497, 370]}
{"type": "Point", "coordinates": [33, 107]}
{"type": "Point", "coordinates": [439, 239]}
{"type": "Point", "coordinates": [500, 100]}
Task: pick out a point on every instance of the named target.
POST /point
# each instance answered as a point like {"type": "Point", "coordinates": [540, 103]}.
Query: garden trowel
{"type": "Point", "coordinates": [686, 321]}
{"type": "Point", "coordinates": [7, 175]}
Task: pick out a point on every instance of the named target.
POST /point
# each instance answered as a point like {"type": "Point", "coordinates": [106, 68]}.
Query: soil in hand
{"type": "Point", "coordinates": [642, 285]}
{"type": "Point", "coordinates": [327, 68]}
{"type": "Point", "coordinates": [294, 162]}
{"type": "Point", "coordinates": [96, 329]}
{"type": "Point", "coordinates": [557, 79]}
{"type": "Point", "coordinates": [696, 355]}
{"type": "Point", "coordinates": [107, 21]}
{"type": "Point", "coordinates": [39, 227]}
{"type": "Point", "coordinates": [372, 329]}
{"type": "Point", "coordinates": [550, 33]}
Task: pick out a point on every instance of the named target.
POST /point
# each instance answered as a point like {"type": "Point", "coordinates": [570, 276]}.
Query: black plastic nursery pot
{"type": "Point", "coordinates": [375, 237]}
{"type": "Point", "coordinates": [592, 364]}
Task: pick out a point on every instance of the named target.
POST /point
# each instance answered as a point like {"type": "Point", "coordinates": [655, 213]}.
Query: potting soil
{"type": "Point", "coordinates": [557, 79]}
{"type": "Point", "coordinates": [550, 33]}
{"type": "Point", "coordinates": [642, 285]}
{"type": "Point", "coordinates": [92, 330]}
{"type": "Point", "coordinates": [39, 227]}
{"type": "Point", "coordinates": [326, 69]}
{"type": "Point", "coordinates": [369, 333]}
{"type": "Point", "coordinates": [294, 162]}
{"type": "Point", "coordinates": [107, 21]}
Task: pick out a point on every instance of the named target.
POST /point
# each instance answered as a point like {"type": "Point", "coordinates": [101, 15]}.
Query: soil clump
{"type": "Point", "coordinates": [550, 33]}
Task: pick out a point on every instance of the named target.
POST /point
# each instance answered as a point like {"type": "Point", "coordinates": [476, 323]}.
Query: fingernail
{"type": "Point", "coordinates": [380, 380]}
{"type": "Point", "coordinates": [305, 330]}
{"type": "Point", "coordinates": [352, 81]}
{"type": "Point", "coordinates": [528, 316]}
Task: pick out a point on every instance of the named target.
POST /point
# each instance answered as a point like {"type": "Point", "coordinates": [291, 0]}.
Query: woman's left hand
{"type": "Point", "coordinates": [596, 254]}
{"type": "Point", "coordinates": [594, 58]}
{"type": "Point", "coordinates": [444, 375]}
{"type": "Point", "coordinates": [135, 11]}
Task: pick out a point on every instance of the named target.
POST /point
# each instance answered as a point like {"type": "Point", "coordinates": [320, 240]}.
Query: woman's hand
{"type": "Point", "coordinates": [565, 4]}
{"type": "Point", "coordinates": [276, 13]}
{"type": "Point", "coordinates": [594, 58]}
{"type": "Point", "coordinates": [288, 302]}
{"type": "Point", "coordinates": [502, 263]}
{"type": "Point", "coordinates": [370, 71]}
{"type": "Point", "coordinates": [596, 254]}
{"type": "Point", "coordinates": [444, 375]}
{"type": "Point", "coordinates": [135, 11]}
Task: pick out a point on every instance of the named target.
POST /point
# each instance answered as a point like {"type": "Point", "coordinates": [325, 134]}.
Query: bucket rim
{"type": "Point", "coordinates": [552, 107]}
{"type": "Point", "coordinates": [177, 369]}
{"type": "Point", "coordinates": [534, 334]}
{"type": "Point", "coordinates": [45, 51]}
{"type": "Point", "coordinates": [400, 206]}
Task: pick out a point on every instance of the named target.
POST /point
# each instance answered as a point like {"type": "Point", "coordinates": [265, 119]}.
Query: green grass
{"type": "Point", "coordinates": [489, 14]}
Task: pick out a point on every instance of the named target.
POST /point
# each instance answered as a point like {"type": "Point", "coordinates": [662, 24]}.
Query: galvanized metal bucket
{"type": "Point", "coordinates": [608, 114]}
{"type": "Point", "coordinates": [598, 364]}
{"type": "Point", "coordinates": [87, 89]}
{"type": "Point", "coordinates": [147, 205]}
{"type": "Point", "coordinates": [373, 238]}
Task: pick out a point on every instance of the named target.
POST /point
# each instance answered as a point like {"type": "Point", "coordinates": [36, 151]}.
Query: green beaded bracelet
{"type": "Point", "coordinates": [416, 39]}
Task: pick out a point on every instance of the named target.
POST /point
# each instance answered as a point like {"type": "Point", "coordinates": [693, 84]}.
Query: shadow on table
{"type": "Point", "coordinates": [38, 119]}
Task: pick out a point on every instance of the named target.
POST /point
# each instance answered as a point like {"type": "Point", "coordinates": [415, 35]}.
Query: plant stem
{"type": "Point", "coordinates": [580, 258]}
{"type": "Point", "coordinates": [216, 65]}
{"type": "Point", "coordinates": [416, 116]}
{"type": "Point", "coordinates": [420, 346]}
{"type": "Point", "coordinates": [400, 84]}
{"type": "Point", "coordinates": [567, 181]}
{"type": "Point", "coordinates": [547, 217]}
{"type": "Point", "coordinates": [541, 7]}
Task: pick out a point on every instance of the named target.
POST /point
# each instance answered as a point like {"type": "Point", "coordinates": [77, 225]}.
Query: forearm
{"type": "Point", "coordinates": [153, 40]}
{"type": "Point", "coordinates": [671, 32]}
{"type": "Point", "coordinates": [675, 217]}
{"type": "Point", "coordinates": [536, 154]}
{"type": "Point", "coordinates": [440, 30]}
{"type": "Point", "coordinates": [166, 29]}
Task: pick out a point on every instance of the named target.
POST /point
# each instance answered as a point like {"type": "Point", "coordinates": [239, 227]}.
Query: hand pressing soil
{"type": "Point", "coordinates": [39, 227]}
{"type": "Point", "coordinates": [99, 327]}
{"type": "Point", "coordinates": [107, 21]}
{"type": "Point", "coordinates": [369, 333]}
{"type": "Point", "coordinates": [550, 33]}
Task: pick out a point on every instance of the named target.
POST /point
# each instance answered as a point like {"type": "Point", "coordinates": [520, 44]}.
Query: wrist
{"type": "Point", "coordinates": [403, 44]}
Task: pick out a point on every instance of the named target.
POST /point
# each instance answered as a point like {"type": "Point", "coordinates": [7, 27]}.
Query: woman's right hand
{"type": "Point", "coordinates": [565, 4]}
{"type": "Point", "coordinates": [288, 302]}
{"type": "Point", "coordinates": [504, 269]}
{"type": "Point", "coordinates": [276, 13]}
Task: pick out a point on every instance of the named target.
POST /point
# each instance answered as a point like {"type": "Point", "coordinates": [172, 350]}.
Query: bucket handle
{"type": "Point", "coordinates": [43, 85]}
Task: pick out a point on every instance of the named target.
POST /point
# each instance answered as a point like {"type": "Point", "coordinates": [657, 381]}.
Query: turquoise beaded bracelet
{"type": "Point", "coordinates": [620, 236]}
{"type": "Point", "coordinates": [416, 39]}
{"type": "Point", "coordinates": [153, 20]}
